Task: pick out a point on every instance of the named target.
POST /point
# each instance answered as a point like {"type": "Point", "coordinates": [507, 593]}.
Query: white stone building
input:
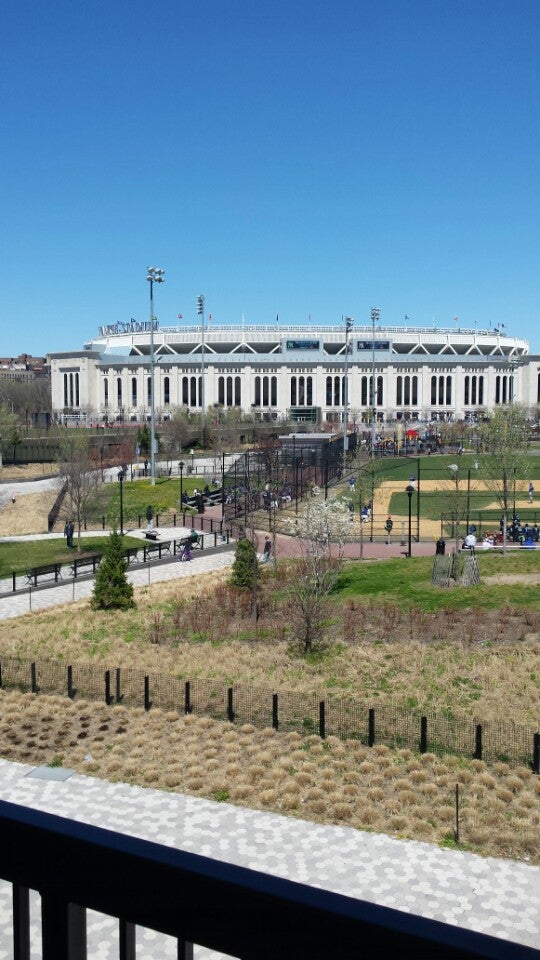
{"type": "Point", "coordinates": [278, 371]}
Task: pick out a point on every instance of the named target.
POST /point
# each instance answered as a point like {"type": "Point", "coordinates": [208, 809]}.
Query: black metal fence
{"type": "Point", "coordinates": [199, 900]}
{"type": "Point", "coordinates": [305, 713]}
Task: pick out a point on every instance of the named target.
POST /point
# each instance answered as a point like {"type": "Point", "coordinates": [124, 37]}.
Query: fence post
{"type": "Point", "coordinates": [423, 734]}
{"type": "Point", "coordinates": [322, 720]}
{"type": "Point", "coordinates": [174, 519]}
{"type": "Point", "coordinates": [536, 753]}
{"type": "Point", "coordinates": [478, 742]}
{"type": "Point", "coordinates": [103, 523]}
{"type": "Point", "coordinates": [107, 687]}
{"type": "Point", "coordinates": [14, 576]}
{"type": "Point", "coordinates": [70, 690]}
{"type": "Point", "coordinates": [118, 695]}
{"type": "Point", "coordinates": [371, 727]}
{"type": "Point", "coordinates": [230, 705]}
{"type": "Point", "coordinates": [147, 703]}
{"type": "Point", "coordinates": [275, 718]}
{"type": "Point", "coordinates": [33, 681]}
{"type": "Point", "coordinates": [187, 697]}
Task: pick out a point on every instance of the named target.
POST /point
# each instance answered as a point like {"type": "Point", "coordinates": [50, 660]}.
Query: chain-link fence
{"type": "Point", "coordinates": [305, 713]}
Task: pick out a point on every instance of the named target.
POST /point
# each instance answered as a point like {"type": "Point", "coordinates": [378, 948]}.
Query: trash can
{"type": "Point", "coordinates": [440, 547]}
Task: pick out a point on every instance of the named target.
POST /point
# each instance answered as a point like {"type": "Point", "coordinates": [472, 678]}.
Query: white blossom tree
{"type": "Point", "coordinates": [321, 530]}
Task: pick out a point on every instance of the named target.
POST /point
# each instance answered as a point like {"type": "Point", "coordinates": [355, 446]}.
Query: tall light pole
{"type": "Point", "coordinates": [475, 465]}
{"type": "Point", "coordinates": [375, 317]}
{"type": "Point", "coordinates": [200, 311]}
{"type": "Point", "coordinates": [121, 476]}
{"type": "Point", "coordinates": [410, 491]}
{"type": "Point", "coordinates": [348, 328]}
{"type": "Point", "coordinates": [181, 469]}
{"type": "Point", "coordinates": [154, 275]}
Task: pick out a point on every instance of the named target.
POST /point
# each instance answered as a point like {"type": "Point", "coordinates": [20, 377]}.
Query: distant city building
{"type": "Point", "coordinates": [405, 372]}
{"type": "Point", "coordinates": [23, 367]}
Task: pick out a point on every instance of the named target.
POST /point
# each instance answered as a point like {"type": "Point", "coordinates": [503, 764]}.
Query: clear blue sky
{"type": "Point", "coordinates": [283, 158]}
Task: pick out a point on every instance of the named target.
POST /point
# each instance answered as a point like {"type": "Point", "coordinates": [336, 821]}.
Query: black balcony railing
{"type": "Point", "coordinates": [244, 913]}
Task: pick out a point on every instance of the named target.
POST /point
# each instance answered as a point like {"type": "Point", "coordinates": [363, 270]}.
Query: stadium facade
{"type": "Point", "coordinates": [278, 371]}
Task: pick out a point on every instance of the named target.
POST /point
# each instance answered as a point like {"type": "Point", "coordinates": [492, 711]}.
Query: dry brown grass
{"type": "Point", "coordinates": [27, 515]}
{"type": "Point", "coordinates": [486, 680]}
{"type": "Point", "coordinates": [329, 782]}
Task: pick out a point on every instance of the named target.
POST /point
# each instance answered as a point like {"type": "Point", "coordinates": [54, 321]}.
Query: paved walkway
{"type": "Point", "coordinates": [498, 897]}
{"type": "Point", "coordinates": [154, 571]}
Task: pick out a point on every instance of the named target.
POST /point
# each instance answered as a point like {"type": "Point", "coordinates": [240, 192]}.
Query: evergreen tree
{"type": "Point", "coordinates": [245, 569]}
{"type": "Point", "coordinates": [112, 589]}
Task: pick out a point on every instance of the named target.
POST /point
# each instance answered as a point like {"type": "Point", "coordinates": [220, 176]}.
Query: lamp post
{"type": "Point", "coordinates": [454, 468]}
{"type": "Point", "coordinates": [375, 317]}
{"type": "Point", "coordinates": [121, 476]}
{"type": "Point", "coordinates": [153, 275]}
{"type": "Point", "coordinates": [192, 455]}
{"type": "Point", "coordinates": [181, 466]}
{"type": "Point", "coordinates": [475, 465]}
{"type": "Point", "coordinates": [200, 311]}
{"type": "Point", "coordinates": [348, 328]}
{"type": "Point", "coordinates": [410, 491]}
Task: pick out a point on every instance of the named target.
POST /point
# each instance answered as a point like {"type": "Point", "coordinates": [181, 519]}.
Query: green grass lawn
{"type": "Point", "coordinates": [20, 557]}
{"type": "Point", "coordinates": [436, 467]}
{"type": "Point", "coordinates": [408, 583]}
{"type": "Point", "coordinates": [434, 503]}
{"type": "Point", "coordinates": [163, 497]}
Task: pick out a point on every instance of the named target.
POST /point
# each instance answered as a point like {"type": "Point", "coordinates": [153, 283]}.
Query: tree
{"type": "Point", "coordinates": [321, 529]}
{"type": "Point", "coordinates": [246, 571]}
{"type": "Point", "coordinates": [112, 589]}
{"type": "Point", "coordinates": [79, 477]}
{"type": "Point", "coordinates": [143, 440]}
{"type": "Point", "coordinates": [176, 432]}
{"type": "Point", "coordinates": [9, 430]}
{"type": "Point", "coordinates": [505, 440]}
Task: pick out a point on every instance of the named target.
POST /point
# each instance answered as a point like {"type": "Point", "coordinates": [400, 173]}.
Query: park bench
{"type": "Point", "coordinates": [164, 546]}
{"type": "Point", "coordinates": [46, 570]}
{"type": "Point", "coordinates": [180, 544]}
{"type": "Point", "coordinates": [151, 534]}
{"type": "Point", "coordinates": [85, 563]}
{"type": "Point", "coordinates": [131, 554]}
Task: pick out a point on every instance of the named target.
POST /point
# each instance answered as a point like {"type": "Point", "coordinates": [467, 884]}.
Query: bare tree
{"type": "Point", "coordinates": [80, 477]}
{"type": "Point", "coordinates": [321, 529]}
{"type": "Point", "coordinates": [505, 440]}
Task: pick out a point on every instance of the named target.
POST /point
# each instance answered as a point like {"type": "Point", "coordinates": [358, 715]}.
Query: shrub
{"type": "Point", "coordinates": [112, 589]}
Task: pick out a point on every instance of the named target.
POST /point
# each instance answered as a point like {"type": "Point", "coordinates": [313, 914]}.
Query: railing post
{"type": "Point", "coordinates": [147, 703]}
{"type": "Point", "coordinates": [21, 922]}
{"type": "Point", "coordinates": [184, 950]}
{"type": "Point", "coordinates": [478, 742]}
{"type": "Point", "coordinates": [423, 734]}
{"type": "Point", "coordinates": [70, 690]}
{"type": "Point", "coordinates": [187, 697]}
{"type": "Point", "coordinates": [118, 694]}
{"type": "Point", "coordinates": [14, 576]}
{"type": "Point", "coordinates": [33, 679]}
{"type": "Point", "coordinates": [275, 711]}
{"type": "Point", "coordinates": [127, 944]}
{"type": "Point", "coordinates": [536, 753]}
{"type": "Point", "coordinates": [107, 687]}
{"type": "Point", "coordinates": [230, 705]}
{"type": "Point", "coordinates": [63, 929]}
{"type": "Point", "coordinates": [322, 720]}
{"type": "Point", "coordinates": [371, 727]}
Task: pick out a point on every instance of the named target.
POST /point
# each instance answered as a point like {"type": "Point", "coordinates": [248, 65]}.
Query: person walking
{"type": "Point", "coordinates": [531, 492]}
{"type": "Point", "coordinates": [267, 550]}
